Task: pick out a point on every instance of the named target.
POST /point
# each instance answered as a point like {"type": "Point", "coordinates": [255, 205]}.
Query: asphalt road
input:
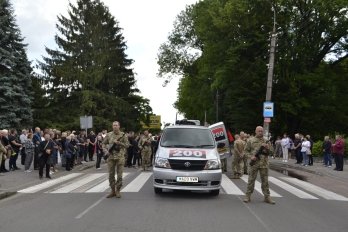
{"type": "Point", "coordinates": [142, 210]}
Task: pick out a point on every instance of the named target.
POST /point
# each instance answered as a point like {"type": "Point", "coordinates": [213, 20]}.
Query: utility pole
{"type": "Point", "coordinates": [217, 105]}
{"type": "Point", "coordinates": [270, 71]}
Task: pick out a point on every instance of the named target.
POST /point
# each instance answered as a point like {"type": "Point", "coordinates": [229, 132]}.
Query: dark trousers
{"type": "Point", "coordinates": [2, 166]}
{"type": "Point", "coordinates": [23, 154]}
{"type": "Point", "coordinates": [100, 155]}
{"type": "Point", "coordinates": [13, 160]}
{"type": "Point", "coordinates": [43, 161]}
{"type": "Point", "coordinates": [299, 157]}
{"type": "Point", "coordinates": [90, 152]}
{"type": "Point", "coordinates": [310, 159]}
{"type": "Point", "coordinates": [72, 160]}
{"type": "Point", "coordinates": [138, 159]}
{"type": "Point", "coordinates": [131, 159]}
{"type": "Point", "coordinates": [68, 163]}
{"type": "Point", "coordinates": [339, 162]}
{"type": "Point", "coordinates": [36, 158]}
{"type": "Point", "coordinates": [85, 154]}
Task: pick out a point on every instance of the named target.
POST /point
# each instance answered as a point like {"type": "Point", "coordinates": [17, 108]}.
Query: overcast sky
{"type": "Point", "coordinates": [146, 24]}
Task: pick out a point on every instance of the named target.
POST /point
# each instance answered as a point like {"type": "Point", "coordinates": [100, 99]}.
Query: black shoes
{"type": "Point", "coordinates": [48, 177]}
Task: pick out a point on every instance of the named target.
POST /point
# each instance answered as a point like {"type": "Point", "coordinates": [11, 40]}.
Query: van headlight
{"type": "Point", "coordinates": [162, 163]}
{"type": "Point", "coordinates": [213, 164]}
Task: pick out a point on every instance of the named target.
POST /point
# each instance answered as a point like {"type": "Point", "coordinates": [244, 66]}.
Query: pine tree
{"type": "Point", "coordinates": [15, 73]}
{"type": "Point", "coordinates": [90, 71]}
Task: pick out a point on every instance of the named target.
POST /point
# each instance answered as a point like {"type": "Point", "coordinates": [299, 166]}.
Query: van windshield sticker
{"type": "Point", "coordinates": [187, 153]}
{"type": "Point", "coordinates": [219, 134]}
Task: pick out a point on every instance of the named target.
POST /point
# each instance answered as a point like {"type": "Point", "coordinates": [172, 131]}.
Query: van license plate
{"type": "Point", "coordinates": [187, 179]}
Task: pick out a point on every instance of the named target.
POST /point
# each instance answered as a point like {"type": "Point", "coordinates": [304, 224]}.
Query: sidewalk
{"type": "Point", "coordinates": [12, 181]}
{"type": "Point", "coordinates": [318, 168]}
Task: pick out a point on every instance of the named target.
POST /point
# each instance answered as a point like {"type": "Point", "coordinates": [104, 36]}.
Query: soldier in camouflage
{"type": "Point", "coordinates": [115, 144]}
{"type": "Point", "coordinates": [245, 164]}
{"type": "Point", "coordinates": [261, 165]}
{"type": "Point", "coordinates": [145, 147]}
{"type": "Point", "coordinates": [238, 156]}
{"type": "Point", "coordinates": [3, 152]}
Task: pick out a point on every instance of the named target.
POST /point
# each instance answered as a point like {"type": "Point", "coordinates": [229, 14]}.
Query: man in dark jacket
{"type": "Point", "coordinates": [132, 150]}
{"type": "Point", "coordinates": [45, 149]}
{"type": "Point", "coordinates": [37, 140]}
{"type": "Point", "coordinates": [16, 145]}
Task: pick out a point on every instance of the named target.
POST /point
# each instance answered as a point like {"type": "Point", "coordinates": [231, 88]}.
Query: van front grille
{"type": "Point", "coordinates": [187, 164]}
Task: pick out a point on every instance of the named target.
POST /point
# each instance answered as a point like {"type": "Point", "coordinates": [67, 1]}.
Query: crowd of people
{"type": "Point", "coordinates": [48, 148]}
{"type": "Point", "coordinates": [44, 149]}
{"type": "Point", "coordinates": [302, 149]}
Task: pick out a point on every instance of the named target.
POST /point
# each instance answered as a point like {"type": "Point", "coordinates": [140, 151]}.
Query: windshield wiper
{"type": "Point", "coordinates": [180, 146]}
{"type": "Point", "coordinates": [205, 145]}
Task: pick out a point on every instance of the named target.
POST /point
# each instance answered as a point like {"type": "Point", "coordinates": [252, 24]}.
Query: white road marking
{"type": "Point", "coordinates": [258, 187]}
{"type": "Point", "coordinates": [79, 183]}
{"type": "Point", "coordinates": [137, 183]}
{"type": "Point", "coordinates": [50, 183]}
{"type": "Point", "coordinates": [89, 208]}
{"type": "Point", "coordinates": [229, 187]}
{"type": "Point", "coordinates": [315, 189]}
{"type": "Point", "coordinates": [103, 185]}
{"type": "Point", "coordinates": [297, 192]}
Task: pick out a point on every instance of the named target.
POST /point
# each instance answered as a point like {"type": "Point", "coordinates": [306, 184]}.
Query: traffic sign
{"type": "Point", "coordinates": [86, 122]}
{"type": "Point", "coordinates": [268, 109]}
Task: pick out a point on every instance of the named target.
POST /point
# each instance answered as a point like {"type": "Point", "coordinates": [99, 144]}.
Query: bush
{"type": "Point", "coordinates": [317, 149]}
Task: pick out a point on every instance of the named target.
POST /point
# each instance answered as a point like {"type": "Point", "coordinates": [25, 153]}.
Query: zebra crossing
{"type": "Point", "coordinates": [98, 183]}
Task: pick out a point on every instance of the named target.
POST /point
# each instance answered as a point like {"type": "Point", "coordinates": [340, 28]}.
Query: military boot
{"type": "Point", "coordinates": [118, 193]}
{"type": "Point", "coordinates": [247, 198]}
{"type": "Point", "coordinates": [269, 200]}
{"type": "Point", "coordinates": [112, 194]}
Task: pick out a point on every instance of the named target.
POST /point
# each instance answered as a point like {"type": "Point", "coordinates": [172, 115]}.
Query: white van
{"type": "Point", "coordinates": [187, 159]}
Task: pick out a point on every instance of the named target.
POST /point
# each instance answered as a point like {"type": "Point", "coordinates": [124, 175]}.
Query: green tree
{"type": "Point", "coordinates": [232, 38]}
{"type": "Point", "coordinates": [90, 72]}
{"type": "Point", "coordinates": [15, 73]}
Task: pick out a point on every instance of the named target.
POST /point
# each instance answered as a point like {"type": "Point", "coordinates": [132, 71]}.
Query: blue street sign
{"type": "Point", "coordinates": [268, 109]}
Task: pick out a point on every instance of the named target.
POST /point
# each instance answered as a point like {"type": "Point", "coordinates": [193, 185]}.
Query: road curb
{"type": "Point", "coordinates": [86, 167]}
{"type": "Point", "coordinates": [4, 195]}
{"type": "Point", "coordinates": [299, 168]}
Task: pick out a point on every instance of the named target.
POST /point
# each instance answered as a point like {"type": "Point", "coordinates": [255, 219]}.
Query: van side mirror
{"type": "Point", "coordinates": [220, 145]}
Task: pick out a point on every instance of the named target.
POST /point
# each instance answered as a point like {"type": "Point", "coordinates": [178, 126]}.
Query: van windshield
{"type": "Point", "coordinates": [188, 138]}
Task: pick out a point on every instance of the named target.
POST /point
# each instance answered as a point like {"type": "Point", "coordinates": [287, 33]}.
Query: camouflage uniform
{"type": "Point", "coordinates": [222, 151]}
{"type": "Point", "coordinates": [116, 159]}
{"type": "Point", "coordinates": [245, 164]}
{"type": "Point", "coordinates": [145, 147]}
{"type": "Point", "coordinates": [3, 152]}
{"type": "Point", "coordinates": [261, 165]}
{"type": "Point", "coordinates": [238, 158]}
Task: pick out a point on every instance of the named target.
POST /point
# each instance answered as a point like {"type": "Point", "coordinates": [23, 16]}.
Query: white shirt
{"type": "Point", "coordinates": [23, 138]}
{"type": "Point", "coordinates": [306, 145]}
{"type": "Point", "coordinates": [285, 142]}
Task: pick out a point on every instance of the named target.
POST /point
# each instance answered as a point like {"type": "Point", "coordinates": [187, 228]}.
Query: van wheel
{"type": "Point", "coordinates": [215, 192]}
{"type": "Point", "coordinates": [158, 190]}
